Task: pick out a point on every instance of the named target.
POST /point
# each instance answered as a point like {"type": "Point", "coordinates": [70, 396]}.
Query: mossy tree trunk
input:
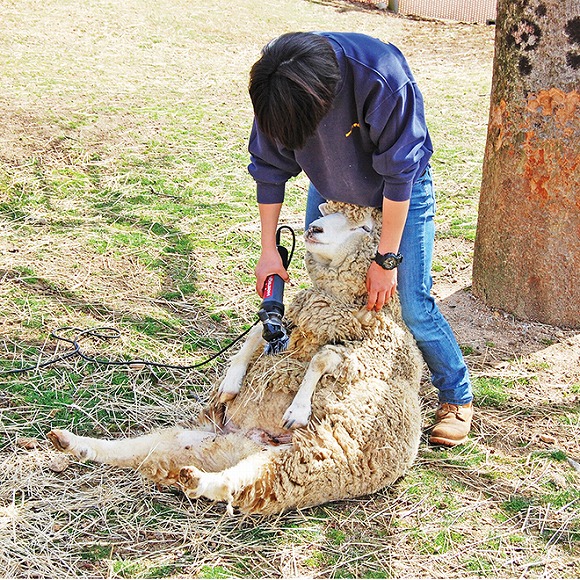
{"type": "Point", "coordinates": [527, 249]}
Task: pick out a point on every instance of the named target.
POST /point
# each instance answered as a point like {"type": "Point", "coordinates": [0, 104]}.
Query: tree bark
{"type": "Point", "coordinates": [527, 248]}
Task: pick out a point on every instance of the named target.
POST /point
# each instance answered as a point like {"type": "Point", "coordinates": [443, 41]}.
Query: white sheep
{"type": "Point", "coordinates": [361, 429]}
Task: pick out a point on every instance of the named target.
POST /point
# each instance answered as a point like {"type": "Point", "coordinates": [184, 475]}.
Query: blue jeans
{"type": "Point", "coordinates": [420, 312]}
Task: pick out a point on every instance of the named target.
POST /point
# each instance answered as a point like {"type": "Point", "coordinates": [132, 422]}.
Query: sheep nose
{"type": "Point", "coordinates": [314, 230]}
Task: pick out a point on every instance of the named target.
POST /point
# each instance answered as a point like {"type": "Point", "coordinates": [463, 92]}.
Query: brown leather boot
{"type": "Point", "coordinates": [452, 424]}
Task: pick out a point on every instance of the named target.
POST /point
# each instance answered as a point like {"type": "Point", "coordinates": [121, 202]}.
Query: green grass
{"type": "Point", "coordinates": [466, 349]}
{"type": "Point", "coordinates": [516, 505]}
{"type": "Point", "coordinates": [439, 543]}
{"type": "Point", "coordinates": [491, 391]}
{"type": "Point", "coordinates": [480, 566]}
{"type": "Point", "coordinates": [58, 399]}
{"type": "Point", "coordinates": [97, 552]}
{"type": "Point", "coordinates": [214, 572]}
{"type": "Point", "coordinates": [556, 455]}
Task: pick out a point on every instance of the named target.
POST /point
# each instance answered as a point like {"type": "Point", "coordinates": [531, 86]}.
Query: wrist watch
{"type": "Point", "coordinates": [388, 261]}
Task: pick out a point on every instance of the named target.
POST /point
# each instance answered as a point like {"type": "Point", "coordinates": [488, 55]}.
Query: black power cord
{"type": "Point", "coordinates": [110, 333]}
{"type": "Point", "coordinates": [293, 234]}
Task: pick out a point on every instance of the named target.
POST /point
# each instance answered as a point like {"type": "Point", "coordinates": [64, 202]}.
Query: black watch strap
{"type": "Point", "coordinates": [388, 261]}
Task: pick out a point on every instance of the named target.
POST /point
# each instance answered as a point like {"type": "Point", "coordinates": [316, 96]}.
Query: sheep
{"type": "Point", "coordinates": [264, 443]}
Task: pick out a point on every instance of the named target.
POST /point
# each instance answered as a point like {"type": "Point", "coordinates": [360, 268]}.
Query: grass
{"type": "Point", "coordinates": [491, 391]}
{"type": "Point", "coordinates": [125, 202]}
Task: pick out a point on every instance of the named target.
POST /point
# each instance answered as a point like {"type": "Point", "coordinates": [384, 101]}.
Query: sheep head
{"type": "Point", "coordinates": [339, 248]}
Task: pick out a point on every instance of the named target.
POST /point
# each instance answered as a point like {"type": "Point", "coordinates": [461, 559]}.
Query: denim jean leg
{"type": "Point", "coordinates": [432, 332]}
{"type": "Point", "coordinates": [313, 200]}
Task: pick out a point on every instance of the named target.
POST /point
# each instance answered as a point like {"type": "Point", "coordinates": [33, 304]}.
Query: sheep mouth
{"type": "Point", "coordinates": [312, 240]}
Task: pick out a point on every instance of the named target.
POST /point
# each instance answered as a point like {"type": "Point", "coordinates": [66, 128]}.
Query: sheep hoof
{"type": "Point", "coordinates": [225, 396]}
{"type": "Point", "coordinates": [66, 442]}
{"type": "Point", "coordinates": [232, 383]}
{"type": "Point", "coordinates": [59, 439]}
{"type": "Point", "coordinates": [189, 478]}
{"type": "Point", "coordinates": [296, 417]}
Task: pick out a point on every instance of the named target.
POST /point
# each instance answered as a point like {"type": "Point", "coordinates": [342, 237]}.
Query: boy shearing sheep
{"type": "Point", "coordinates": [345, 109]}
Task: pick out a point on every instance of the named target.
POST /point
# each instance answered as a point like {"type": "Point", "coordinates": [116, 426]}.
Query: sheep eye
{"type": "Point", "coordinates": [365, 228]}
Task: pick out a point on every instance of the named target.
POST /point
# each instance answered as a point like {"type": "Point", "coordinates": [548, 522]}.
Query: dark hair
{"type": "Point", "coordinates": [292, 86]}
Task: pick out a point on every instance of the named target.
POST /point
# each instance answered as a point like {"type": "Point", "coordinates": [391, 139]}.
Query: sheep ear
{"type": "Point", "coordinates": [323, 208]}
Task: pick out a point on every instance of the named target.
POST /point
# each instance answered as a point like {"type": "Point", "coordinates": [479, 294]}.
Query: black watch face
{"type": "Point", "coordinates": [390, 263]}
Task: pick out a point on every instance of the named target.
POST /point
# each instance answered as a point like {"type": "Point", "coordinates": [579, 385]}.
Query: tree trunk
{"type": "Point", "coordinates": [527, 249]}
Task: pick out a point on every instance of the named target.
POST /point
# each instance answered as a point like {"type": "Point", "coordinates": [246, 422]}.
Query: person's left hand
{"type": "Point", "coordinates": [381, 286]}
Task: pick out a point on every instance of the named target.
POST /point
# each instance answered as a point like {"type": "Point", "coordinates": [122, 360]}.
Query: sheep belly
{"type": "Point", "coordinates": [268, 389]}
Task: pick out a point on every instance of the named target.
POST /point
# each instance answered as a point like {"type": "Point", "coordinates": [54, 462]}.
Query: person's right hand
{"type": "Point", "coordinates": [270, 262]}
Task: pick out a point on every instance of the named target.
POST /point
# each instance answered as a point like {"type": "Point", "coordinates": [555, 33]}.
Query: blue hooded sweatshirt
{"type": "Point", "coordinates": [372, 143]}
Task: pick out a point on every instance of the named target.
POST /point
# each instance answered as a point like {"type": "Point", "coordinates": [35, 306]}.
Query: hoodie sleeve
{"type": "Point", "coordinates": [270, 166]}
{"type": "Point", "coordinates": [399, 132]}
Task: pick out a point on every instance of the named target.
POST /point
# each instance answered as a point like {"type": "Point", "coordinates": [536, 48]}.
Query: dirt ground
{"type": "Point", "coordinates": [542, 360]}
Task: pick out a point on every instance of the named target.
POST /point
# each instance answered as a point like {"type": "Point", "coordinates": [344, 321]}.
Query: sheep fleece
{"type": "Point", "coordinates": [366, 423]}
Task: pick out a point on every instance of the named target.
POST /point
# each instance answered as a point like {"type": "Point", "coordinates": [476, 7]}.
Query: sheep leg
{"type": "Point", "coordinates": [298, 413]}
{"type": "Point", "coordinates": [232, 382]}
{"type": "Point", "coordinates": [130, 453]}
{"type": "Point", "coordinates": [224, 485]}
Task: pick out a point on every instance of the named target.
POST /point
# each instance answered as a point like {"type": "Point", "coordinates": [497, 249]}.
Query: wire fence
{"type": "Point", "coordinates": [480, 11]}
{"type": "Point", "coordinates": [470, 11]}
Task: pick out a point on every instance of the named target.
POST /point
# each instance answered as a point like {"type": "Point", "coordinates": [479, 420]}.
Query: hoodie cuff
{"type": "Point", "coordinates": [270, 192]}
{"type": "Point", "coordinates": [397, 191]}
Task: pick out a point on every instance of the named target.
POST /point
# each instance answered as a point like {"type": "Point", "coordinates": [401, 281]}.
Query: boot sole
{"type": "Point", "coordinates": [447, 442]}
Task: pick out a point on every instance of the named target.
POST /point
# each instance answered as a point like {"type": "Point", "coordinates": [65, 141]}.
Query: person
{"type": "Point", "coordinates": [345, 109]}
